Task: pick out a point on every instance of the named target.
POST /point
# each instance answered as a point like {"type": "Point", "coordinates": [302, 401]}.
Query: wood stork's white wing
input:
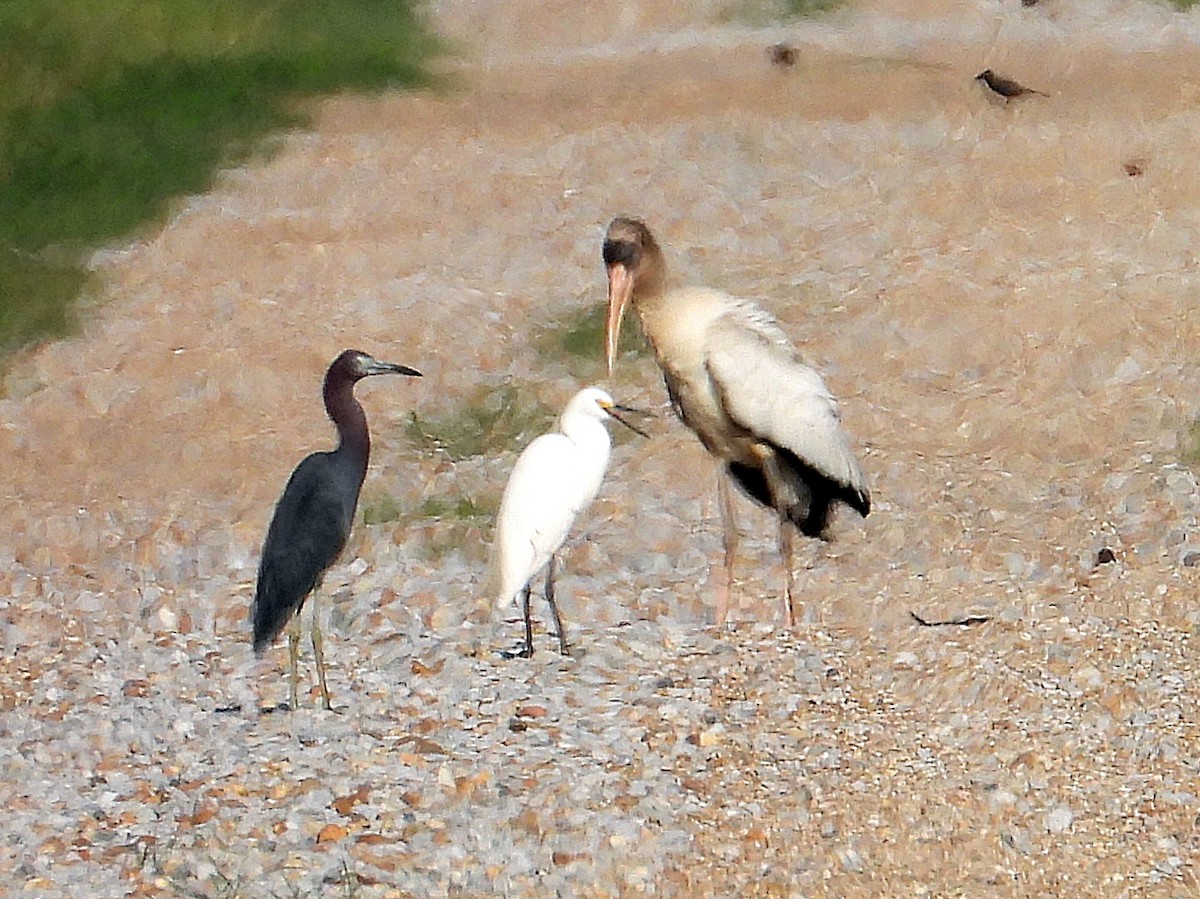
{"type": "Point", "coordinates": [545, 493]}
{"type": "Point", "coordinates": [767, 390]}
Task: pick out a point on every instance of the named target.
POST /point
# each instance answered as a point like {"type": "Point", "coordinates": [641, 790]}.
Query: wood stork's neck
{"type": "Point", "coordinates": [650, 284]}
{"type": "Point", "coordinates": [354, 438]}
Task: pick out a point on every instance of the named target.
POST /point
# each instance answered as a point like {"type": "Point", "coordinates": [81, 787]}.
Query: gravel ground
{"type": "Point", "coordinates": [1008, 315]}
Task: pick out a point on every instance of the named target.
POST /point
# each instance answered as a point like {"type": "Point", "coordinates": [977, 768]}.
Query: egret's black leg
{"type": "Point", "coordinates": [562, 634]}
{"type": "Point", "coordinates": [525, 599]}
{"type": "Point", "coordinates": [527, 651]}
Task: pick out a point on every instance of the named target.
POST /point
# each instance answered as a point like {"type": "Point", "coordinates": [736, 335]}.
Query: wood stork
{"type": "Point", "coordinates": [734, 379]}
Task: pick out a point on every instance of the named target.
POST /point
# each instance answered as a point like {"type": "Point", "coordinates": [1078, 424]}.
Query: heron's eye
{"type": "Point", "coordinates": [620, 252]}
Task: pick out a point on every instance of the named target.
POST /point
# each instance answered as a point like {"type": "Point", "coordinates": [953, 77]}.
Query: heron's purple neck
{"type": "Point", "coordinates": [351, 420]}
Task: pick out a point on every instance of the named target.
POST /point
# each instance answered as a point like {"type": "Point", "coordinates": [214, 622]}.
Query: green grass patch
{"type": "Point", "coordinates": [493, 420]}
{"type": "Point", "coordinates": [1189, 448]}
{"type": "Point", "coordinates": [446, 524]}
{"type": "Point", "coordinates": [796, 9]}
{"type": "Point", "coordinates": [113, 109]}
{"type": "Point", "coordinates": [578, 338]}
{"type": "Point", "coordinates": [462, 509]}
{"type": "Point", "coordinates": [383, 508]}
{"type": "Point", "coordinates": [767, 12]}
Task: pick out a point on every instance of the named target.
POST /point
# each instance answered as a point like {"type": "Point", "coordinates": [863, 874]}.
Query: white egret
{"type": "Point", "coordinates": [554, 480]}
{"type": "Point", "coordinates": [735, 380]}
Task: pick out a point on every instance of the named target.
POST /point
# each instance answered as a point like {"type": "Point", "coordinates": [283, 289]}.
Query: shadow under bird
{"type": "Point", "coordinates": [313, 518]}
{"type": "Point", "coordinates": [736, 381]}
{"type": "Point", "coordinates": [553, 481]}
{"type": "Point", "coordinates": [1006, 87]}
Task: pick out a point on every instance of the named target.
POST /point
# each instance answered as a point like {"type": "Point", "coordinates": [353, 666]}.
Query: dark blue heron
{"type": "Point", "coordinates": [313, 517]}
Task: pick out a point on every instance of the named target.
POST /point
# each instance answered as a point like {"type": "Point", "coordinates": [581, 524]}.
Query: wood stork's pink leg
{"type": "Point", "coordinates": [731, 536]}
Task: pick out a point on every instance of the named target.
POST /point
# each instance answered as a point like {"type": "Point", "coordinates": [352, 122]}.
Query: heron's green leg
{"type": "Point", "coordinates": [293, 655]}
{"type": "Point", "coordinates": [318, 644]}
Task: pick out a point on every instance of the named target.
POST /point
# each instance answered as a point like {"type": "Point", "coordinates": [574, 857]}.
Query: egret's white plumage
{"type": "Point", "coordinates": [735, 379]}
{"type": "Point", "coordinates": [554, 480]}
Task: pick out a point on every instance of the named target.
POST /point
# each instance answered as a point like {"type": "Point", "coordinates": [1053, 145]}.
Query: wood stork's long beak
{"type": "Point", "coordinates": [620, 288]}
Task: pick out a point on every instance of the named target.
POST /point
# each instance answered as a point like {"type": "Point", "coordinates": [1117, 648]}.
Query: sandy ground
{"type": "Point", "coordinates": [1004, 299]}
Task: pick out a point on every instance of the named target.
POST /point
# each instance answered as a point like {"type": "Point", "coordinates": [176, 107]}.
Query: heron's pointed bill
{"type": "Point", "coordinates": [620, 288]}
{"type": "Point", "coordinates": [375, 367]}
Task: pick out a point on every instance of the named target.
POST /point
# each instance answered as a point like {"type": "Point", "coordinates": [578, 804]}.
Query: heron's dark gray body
{"type": "Point", "coordinates": [313, 518]}
{"type": "Point", "coordinates": [309, 531]}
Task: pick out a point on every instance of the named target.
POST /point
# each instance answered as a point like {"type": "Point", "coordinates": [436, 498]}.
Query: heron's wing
{"type": "Point", "coordinates": [767, 390]}
{"type": "Point", "coordinates": [308, 531]}
{"type": "Point", "coordinates": [546, 491]}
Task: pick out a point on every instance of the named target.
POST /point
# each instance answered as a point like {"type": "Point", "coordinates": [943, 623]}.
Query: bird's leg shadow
{"type": "Point", "coordinates": [562, 634]}
{"type": "Point", "coordinates": [527, 651]}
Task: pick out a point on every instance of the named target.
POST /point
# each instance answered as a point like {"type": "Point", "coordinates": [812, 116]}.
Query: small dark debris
{"type": "Point", "coordinates": [1105, 556]}
{"type": "Point", "coordinates": [516, 725]}
{"type": "Point", "coordinates": [782, 55]}
{"type": "Point", "coordinates": [664, 683]}
{"type": "Point", "coordinates": [228, 709]}
{"type": "Point", "coordinates": [964, 621]}
{"type": "Point", "coordinates": [1191, 559]}
{"type": "Point", "coordinates": [1134, 168]}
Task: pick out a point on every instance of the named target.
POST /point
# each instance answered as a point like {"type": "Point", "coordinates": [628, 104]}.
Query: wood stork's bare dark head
{"type": "Point", "coordinates": [635, 267]}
